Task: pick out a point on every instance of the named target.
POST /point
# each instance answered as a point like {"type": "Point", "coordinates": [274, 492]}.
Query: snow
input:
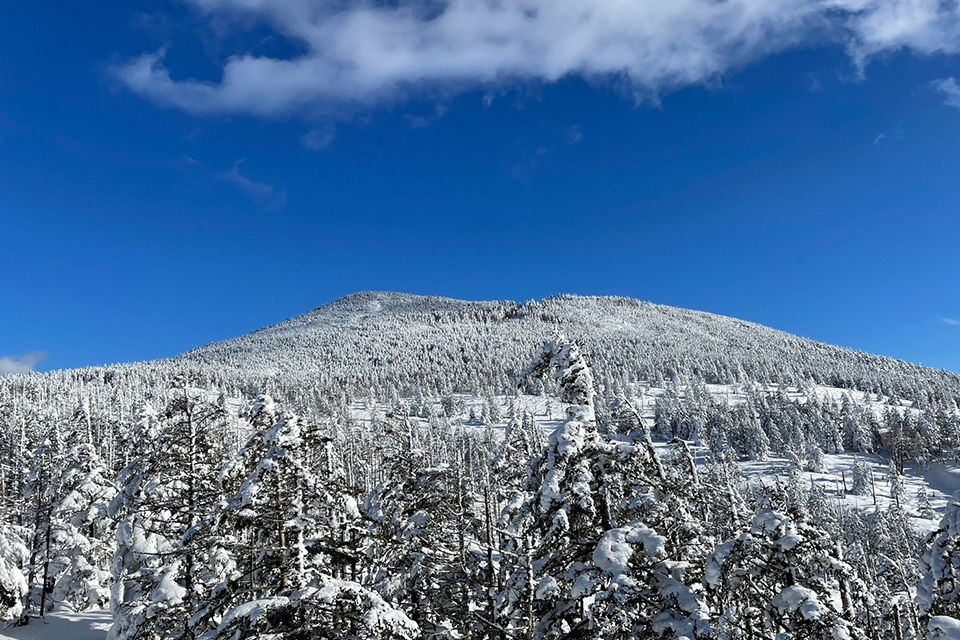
{"type": "Point", "coordinates": [943, 628]}
{"type": "Point", "coordinates": [88, 625]}
{"type": "Point", "coordinates": [167, 590]}
{"type": "Point", "coordinates": [943, 478]}
{"type": "Point", "coordinates": [547, 589]}
{"type": "Point", "coordinates": [713, 575]}
{"type": "Point", "coordinates": [795, 598]}
{"type": "Point", "coordinates": [836, 477]}
{"type": "Point", "coordinates": [252, 610]}
{"type": "Point", "coordinates": [615, 548]}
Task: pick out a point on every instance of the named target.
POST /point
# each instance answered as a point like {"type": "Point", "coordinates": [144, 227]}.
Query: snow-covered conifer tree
{"type": "Point", "coordinates": [895, 481]}
{"type": "Point", "coordinates": [924, 508]}
{"type": "Point", "coordinates": [82, 533]}
{"type": "Point", "coordinates": [13, 583]}
{"type": "Point", "coordinates": [41, 497]}
{"type": "Point", "coordinates": [164, 564]}
{"type": "Point", "coordinates": [783, 576]}
{"type": "Point", "coordinates": [285, 518]}
{"type": "Point", "coordinates": [939, 590]}
{"type": "Point", "coordinates": [862, 478]}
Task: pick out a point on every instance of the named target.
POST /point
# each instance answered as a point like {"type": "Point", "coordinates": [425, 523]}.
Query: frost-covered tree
{"type": "Point", "coordinates": [895, 482]}
{"type": "Point", "coordinates": [814, 458]}
{"type": "Point", "coordinates": [577, 571]}
{"type": "Point", "coordinates": [939, 589]}
{"type": "Point", "coordinates": [41, 497]}
{"type": "Point", "coordinates": [428, 520]}
{"type": "Point", "coordinates": [13, 583]}
{"type": "Point", "coordinates": [862, 478]}
{"type": "Point", "coordinates": [856, 432]}
{"type": "Point", "coordinates": [924, 508]}
{"type": "Point", "coordinates": [165, 565]}
{"type": "Point", "coordinates": [285, 518]}
{"type": "Point", "coordinates": [553, 531]}
{"type": "Point", "coordinates": [82, 532]}
{"type": "Point", "coordinates": [783, 578]}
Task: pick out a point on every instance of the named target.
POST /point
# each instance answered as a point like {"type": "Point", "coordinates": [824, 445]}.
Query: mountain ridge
{"type": "Point", "coordinates": [628, 340]}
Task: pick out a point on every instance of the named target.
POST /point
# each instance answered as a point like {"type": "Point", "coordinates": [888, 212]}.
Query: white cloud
{"type": "Point", "coordinates": [953, 322]}
{"type": "Point", "coordinates": [525, 169]}
{"type": "Point", "coordinates": [359, 54]}
{"type": "Point", "coordinates": [424, 121]}
{"type": "Point", "coordinates": [266, 195]}
{"type": "Point", "coordinates": [320, 138]}
{"type": "Point", "coordinates": [21, 364]}
{"type": "Point", "coordinates": [574, 134]}
{"type": "Point", "coordinates": [897, 133]}
{"type": "Point", "coordinates": [950, 90]}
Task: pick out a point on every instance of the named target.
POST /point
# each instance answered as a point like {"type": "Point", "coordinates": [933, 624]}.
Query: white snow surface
{"type": "Point", "coordinates": [88, 625]}
{"type": "Point", "coordinates": [943, 628]}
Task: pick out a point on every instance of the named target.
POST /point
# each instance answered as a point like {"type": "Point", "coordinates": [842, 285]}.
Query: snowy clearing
{"type": "Point", "coordinates": [89, 625]}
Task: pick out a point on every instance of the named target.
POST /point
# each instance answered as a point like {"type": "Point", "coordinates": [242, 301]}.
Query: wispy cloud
{"type": "Point", "coordinates": [953, 322]}
{"type": "Point", "coordinates": [320, 138]}
{"type": "Point", "coordinates": [574, 134]}
{"type": "Point", "coordinates": [950, 90]}
{"type": "Point", "coordinates": [895, 133]}
{"type": "Point", "coordinates": [421, 121]}
{"type": "Point", "coordinates": [264, 194]}
{"type": "Point", "coordinates": [356, 54]}
{"type": "Point", "coordinates": [525, 169]}
{"type": "Point", "coordinates": [21, 363]}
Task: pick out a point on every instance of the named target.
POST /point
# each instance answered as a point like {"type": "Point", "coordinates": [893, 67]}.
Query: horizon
{"type": "Point", "coordinates": [194, 169]}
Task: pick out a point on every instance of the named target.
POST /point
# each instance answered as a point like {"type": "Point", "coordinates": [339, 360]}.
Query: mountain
{"type": "Point", "coordinates": [415, 344]}
{"type": "Point", "coordinates": [644, 506]}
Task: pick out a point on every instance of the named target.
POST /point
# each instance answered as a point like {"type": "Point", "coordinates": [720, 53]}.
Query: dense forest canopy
{"type": "Point", "coordinates": [391, 466]}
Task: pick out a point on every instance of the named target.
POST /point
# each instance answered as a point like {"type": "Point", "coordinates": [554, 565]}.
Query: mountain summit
{"type": "Point", "coordinates": [425, 344]}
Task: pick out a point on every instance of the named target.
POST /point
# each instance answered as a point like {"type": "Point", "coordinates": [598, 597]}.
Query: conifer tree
{"type": "Point", "coordinates": [13, 583]}
{"type": "Point", "coordinates": [939, 590]}
{"type": "Point", "coordinates": [287, 520]}
{"type": "Point", "coordinates": [862, 478]}
{"type": "Point", "coordinates": [783, 578]}
{"type": "Point", "coordinates": [82, 532]}
{"type": "Point", "coordinates": [164, 565]}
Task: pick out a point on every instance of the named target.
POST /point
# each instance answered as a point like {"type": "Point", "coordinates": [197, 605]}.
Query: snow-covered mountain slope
{"type": "Point", "coordinates": [385, 426]}
{"type": "Point", "coordinates": [413, 344]}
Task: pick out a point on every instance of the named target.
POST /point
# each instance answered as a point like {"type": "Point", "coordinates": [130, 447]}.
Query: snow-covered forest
{"type": "Point", "coordinates": [400, 467]}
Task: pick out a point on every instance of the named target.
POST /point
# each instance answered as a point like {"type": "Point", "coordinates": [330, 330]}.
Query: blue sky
{"type": "Point", "coordinates": [174, 173]}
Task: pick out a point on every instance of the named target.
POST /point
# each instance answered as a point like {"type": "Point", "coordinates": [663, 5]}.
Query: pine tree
{"type": "Point", "coordinates": [164, 565]}
{"type": "Point", "coordinates": [895, 480]}
{"type": "Point", "coordinates": [862, 478]}
{"type": "Point", "coordinates": [14, 555]}
{"type": "Point", "coordinates": [427, 516]}
{"type": "Point", "coordinates": [287, 522]}
{"type": "Point", "coordinates": [783, 576]}
{"type": "Point", "coordinates": [939, 591]}
{"type": "Point", "coordinates": [581, 573]}
{"type": "Point", "coordinates": [924, 508]}
{"type": "Point", "coordinates": [82, 533]}
{"type": "Point", "coordinates": [856, 436]}
{"type": "Point", "coordinates": [814, 458]}
{"type": "Point", "coordinates": [41, 498]}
